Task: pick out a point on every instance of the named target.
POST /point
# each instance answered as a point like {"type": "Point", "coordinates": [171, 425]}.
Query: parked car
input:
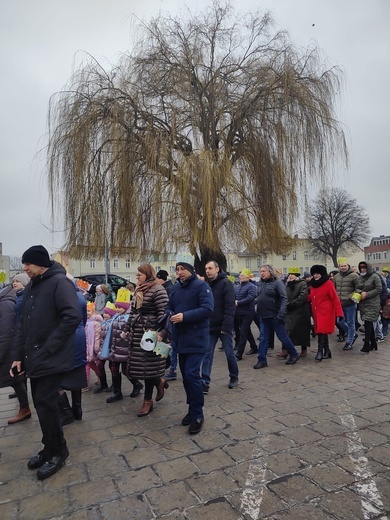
{"type": "Point", "coordinates": [114, 281]}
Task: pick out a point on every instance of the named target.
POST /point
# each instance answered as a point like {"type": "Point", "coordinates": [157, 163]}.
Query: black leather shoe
{"type": "Point", "coordinates": [51, 466]}
{"type": "Point", "coordinates": [260, 365]}
{"type": "Point", "coordinates": [233, 383]}
{"type": "Point", "coordinates": [195, 426]}
{"type": "Point", "coordinates": [239, 358]}
{"type": "Point", "coordinates": [186, 420]}
{"type": "Point", "coordinates": [99, 389]}
{"type": "Point", "coordinates": [12, 396]}
{"type": "Point", "coordinates": [292, 360]}
{"type": "Point", "coordinates": [137, 390]}
{"type": "Point", "coordinates": [347, 346]}
{"type": "Point", "coordinates": [37, 461]}
{"type": "Point", "coordinates": [115, 397]}
{"type": "Point", "coordinates": [251, 352]}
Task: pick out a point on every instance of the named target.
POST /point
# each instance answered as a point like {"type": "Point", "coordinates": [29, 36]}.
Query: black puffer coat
{"type": "Point", "coordinates": [298, 313]}
{"type": "Point", "coordinates": [143, 364]}
{"type": "Point", "coordinates": [7, 332]}
{"type": "Point", "coordinates": [50, 316]}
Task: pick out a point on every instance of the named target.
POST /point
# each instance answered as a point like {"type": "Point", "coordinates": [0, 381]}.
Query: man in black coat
{"type": "Point", "coordinates": [221, 324]}
{"type": "Point", "coordinates": [45, 349]}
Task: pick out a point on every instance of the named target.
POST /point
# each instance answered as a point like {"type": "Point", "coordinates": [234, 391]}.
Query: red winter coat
{"type": "Point", "coordinates": [325, 307]}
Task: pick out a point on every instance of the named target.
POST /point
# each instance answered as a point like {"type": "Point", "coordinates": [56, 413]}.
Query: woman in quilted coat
{"type": "Point", "coordinates": [148, 305]}
{"type": "Point", "coordinates": [325, 308]}
{"type": "Point", "coordinates": [369, 286]}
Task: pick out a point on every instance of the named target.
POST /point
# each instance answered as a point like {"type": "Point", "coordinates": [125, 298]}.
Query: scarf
{"type": "Point", "coordinates": [138, 296]}
{"type": "Point", "coordinates": [321, 281]}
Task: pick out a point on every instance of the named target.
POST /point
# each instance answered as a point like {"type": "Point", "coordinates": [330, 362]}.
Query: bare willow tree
{"type": "Point", "coordinates": [203, 135]}
{"type": "Point", "coordinates": [336, 222]}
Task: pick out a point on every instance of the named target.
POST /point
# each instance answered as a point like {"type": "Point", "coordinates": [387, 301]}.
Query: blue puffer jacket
{"type": "Point", "coordinates": [195, 300]}
{"type": "Point", "coordinates": [245, 297]}
{"type": "Point", "coordinates": [272, 299]}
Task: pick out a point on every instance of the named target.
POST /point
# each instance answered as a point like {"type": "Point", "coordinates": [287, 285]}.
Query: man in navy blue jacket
{"type": "Point", "coordinates": [191, 303]}
{"type": "Point", "coordinates": [221, 324]}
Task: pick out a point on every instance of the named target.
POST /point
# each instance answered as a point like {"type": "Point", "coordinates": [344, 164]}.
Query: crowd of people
{"type": "Point", "coordinates": [54, 333]}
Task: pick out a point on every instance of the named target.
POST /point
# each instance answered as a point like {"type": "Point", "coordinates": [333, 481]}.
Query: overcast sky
{"type": "Point", "coordinates": [38, 42]}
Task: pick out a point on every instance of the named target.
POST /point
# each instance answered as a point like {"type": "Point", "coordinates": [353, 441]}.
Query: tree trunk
{"type": "Point", "coordinates": [207, 255]}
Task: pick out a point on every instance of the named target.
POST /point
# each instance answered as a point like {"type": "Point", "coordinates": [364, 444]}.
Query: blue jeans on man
{"type": "Point", "coordinates": [227, 344]}
{"type": "Point", "coordinates": [190, 370]}
{"type": "Point", "coordinates": [348, 324]}
{"type": "Point", "coordinates": [267, 325]}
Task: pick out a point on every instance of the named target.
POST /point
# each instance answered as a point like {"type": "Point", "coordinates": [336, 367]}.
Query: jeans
{"type": "Point", "coordinates": [348, 325]}
{"type": "Point", "coordinates": [266, 327]}
{"type": "Point", "coordinates": [190, 370]}
{"type": "Point", "coordinates": [227, 344]}
{"type": "Point", "coordinates": [385, 326]}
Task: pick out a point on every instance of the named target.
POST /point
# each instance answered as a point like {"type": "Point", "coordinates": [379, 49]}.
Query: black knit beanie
{"type": "Point", "coordinates": [187, 266]}
{"type": "Point", "coordinates": [36, 255]}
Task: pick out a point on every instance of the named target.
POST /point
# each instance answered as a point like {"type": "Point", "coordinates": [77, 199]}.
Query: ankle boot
{"type": "Point", "coordinates": [160, 389]}
{"type": "Point", "coordinates": [327, 354]}
{"type": "Point", "coordinates": [137, 387]}
{"type": "Point", "coordinates": [117, 384]}
{"type": "Point", "coordinates": [303, 352]}
{"type": "Point", "coordinates": [374, 345]}
{"type": "Point", "coordinates": [146, 408]}
{"type": "Point", "coordinates": [366, 347]}
{"type": "Point", "coordinates": [76, 405]}
{"type": "Point", "coordinates": [22, 415]}
{"type": "Point", "coordinates": [282, 354]}
{"type": "Point", "coordinates": [66, 412]}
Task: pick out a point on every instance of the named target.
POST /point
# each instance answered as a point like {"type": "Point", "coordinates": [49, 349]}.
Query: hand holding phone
{"type": "Point", "coordinates": [15, 371]}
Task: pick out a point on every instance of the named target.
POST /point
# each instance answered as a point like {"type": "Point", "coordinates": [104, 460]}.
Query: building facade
{"type": "Point", "coordinates": [378, 252]}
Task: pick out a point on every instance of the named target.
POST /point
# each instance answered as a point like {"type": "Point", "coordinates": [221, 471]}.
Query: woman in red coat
{"type": "Point", "coordinates": [325, 308]}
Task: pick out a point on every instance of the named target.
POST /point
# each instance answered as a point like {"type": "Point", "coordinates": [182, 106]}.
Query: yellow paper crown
{"type": "Point", "coordinates": [123, 295]}
{"type": "Point", "coordinates": [342, 260]}
{"type": "Point", "coordinates": [386, 269]}
{"type": "Point", "coordinates": [246, 271]}
{"type": "Point", "coordinates": [110, 305]}
{"type": "Point", "coordinates": [294, 270]}
{"type": "Point", "coordinates": [91, 306]}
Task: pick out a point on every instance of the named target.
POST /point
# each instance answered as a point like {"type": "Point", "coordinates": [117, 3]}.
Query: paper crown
{"type": "Point", "coordinates": [246, 272]}
{"type": "Point", "coordinates": [342, 260]}
{"type": "Point", "coordinates": [91, 306]}
{"type": "Point", "coordinates": [149, 340]}
{"type": "Point", "coordinates": [123, 298]}
{"type": "Point", "coordinates": [109, 309]}
{"type": "Point", "coordinates": [294, 270]}
{"type": "Point", "coordinates": [386, 269]}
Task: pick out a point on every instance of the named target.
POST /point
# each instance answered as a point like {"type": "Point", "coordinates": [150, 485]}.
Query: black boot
{"type": "Point", "coordinates": [366, 347]}
{"type": "Point", "coordinates": [137, 387]}
{"type": "Point", "coordinates": [320, 348]}
{"type": "Point", "coordinates": [117, 384]}
{"type": "Point", "coordinates": [102, 387]}
{"type": "Point", "coordinates": [76, 405]}
{"type": "Point", "coordinates": [66, 413]}
{"type": "Point", "coordinates": [327, 354]}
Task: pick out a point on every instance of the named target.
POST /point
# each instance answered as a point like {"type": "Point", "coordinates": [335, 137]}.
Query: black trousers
{"type": "Point", "coordinates": [45, 395]}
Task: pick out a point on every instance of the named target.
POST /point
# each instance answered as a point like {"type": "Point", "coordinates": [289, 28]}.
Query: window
{"type": "Point", "coordinates": [127, 264]}
{"type": "Point", "coordinates": [248, 263]}
{"type": "Point", "coordinates": [306, 255]}
{"type": "Point", "coordinates": [315, 256]}
{"type": "Point", "coordinates": [116, 263]}
{"type": "Point", "coordinates": [265, 260]}
{"type": "Point", "coordinates": [294, 255]}
{"type": "Point", "coordinates": [92, 264]}
{"type": "Point", "coordinates": [259, 261]}
{"type": "Point", "coordinates": [284, 257]}
{"type": "Point", "coordinates": [157, 268]}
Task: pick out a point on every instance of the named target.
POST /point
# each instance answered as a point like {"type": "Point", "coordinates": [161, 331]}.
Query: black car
{"type": "Point", "coordinates": [114, 281]}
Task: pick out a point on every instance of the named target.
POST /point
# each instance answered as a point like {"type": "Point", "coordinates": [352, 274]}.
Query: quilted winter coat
{"type": "Point", "coordinates": [298, 313]}
{"type": "Point", "coordinates": [371, 284]}
{"type": "Point", "coordinates": [143, 364]}
{"type": "Point", "coordinates": [325, 307]}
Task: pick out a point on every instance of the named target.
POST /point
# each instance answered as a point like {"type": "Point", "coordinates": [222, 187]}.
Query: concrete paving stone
{"type": "Point", "coordinates": [269, 426]}
{"type": "Point", "coordinates": [25, 486]}
{"type": "Point", "coordinates": [243, 450]}
{"type": "Point", "coordinates": [92, 493]}
{"type": "Point", "coordinates": [310, 511]}
{"type": "Point", "coordinates": [44, 505]}
{"type": "Point", "coordinates": [374, 415]}
{"type": "Point", "coordinates": [382, 482]}
{"type": "Point", "coordinates": [9, 509]}
{"type": "Point", "coordinates": [133, 507]}
{"type": "Point", "coordinates": [211, 460]}
{"type": "Point", "coordinates": [213, 439]}
{"type": "Point", "coordinates": [337, 445]}
{"type": "Point", "coordinates": [282, 462]}
{"type": "Point", "coordinates": [380, 454]}
{"type": "Point", "coordinates": [177, 469]}
{"type": "Point", "coordinates": [294, 420]}
{"type": "Point", "coordinates": [119, 445]}
{"type": "Point", "coordinates": [79, 454]}
{"type": "Point", "coordinates": [185, 445]}
{"type": "Point", "coordinates": [349, 465]}
{"type": "Point", "coordinates": [74, 474]}
{"type": "Point", "coordinates": [214, 509]}
{"type": "Point", "coordinates": [369, 437]}
{"type": "Point", "coordinates": [137, 481]}
{"type": "Point", "coordinates": [383, 429]}
{"type": "Point", "coordinates": [303, 435]}
{"type": "Point", "coordinates": [175, 495]}
{"type": "Point", "coordinates": [213, 486]}
{"type": "Point", "coordinates": [112, 465]}
{"type": "Point", "coordinates": [141, 457]}
{"type": "Point", "coordinates": [277, 442]}
{"type": "Point", "coordinates": [294, 488]}
{"type": "Point", "coordinates": [330, 428]}
{"type": "Point", "coordinates": [263, 411]}
{"type": "Point", "coordinates": [343, 505]}
{"type": "Point", "coordinates": [89, 513]}
{"type": "Point", "coordinates": [243, 432]}
{"type": "Point", "coordinates": [86, 438]}
{"type": "Point", "coordinates": [10, 471]}
{"type": "Point", "coordinates": [329, 476]}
